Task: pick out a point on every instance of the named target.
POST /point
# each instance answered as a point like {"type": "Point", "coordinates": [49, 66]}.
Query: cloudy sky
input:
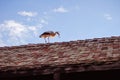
{"type": "Point", "coordinates": [22, 21]}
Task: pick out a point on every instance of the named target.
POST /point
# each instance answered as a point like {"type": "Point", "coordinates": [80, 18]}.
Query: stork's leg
{"type": "Point", "coordinates": [48, 39]}
{"type": "Point", "coordinates": [45, 40]}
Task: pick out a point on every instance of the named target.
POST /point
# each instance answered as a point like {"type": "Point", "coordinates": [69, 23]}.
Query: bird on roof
{"type": "Point", "coordinates": [48, 34]}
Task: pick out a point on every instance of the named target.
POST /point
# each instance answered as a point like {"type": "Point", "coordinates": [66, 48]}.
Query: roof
{"type": "Point", "coordinates": [80, 55]}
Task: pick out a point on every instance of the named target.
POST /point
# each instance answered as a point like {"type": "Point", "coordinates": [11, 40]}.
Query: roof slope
{"type": "Point", "coordinates": [67, 55]}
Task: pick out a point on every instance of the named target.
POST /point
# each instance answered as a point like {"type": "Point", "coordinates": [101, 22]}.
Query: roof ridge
{"type": "Point", "coordinates": [102, 40]}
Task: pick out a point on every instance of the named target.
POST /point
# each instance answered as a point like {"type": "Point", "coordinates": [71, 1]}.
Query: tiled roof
{"type": "Point", "coordinates": [95, 51]}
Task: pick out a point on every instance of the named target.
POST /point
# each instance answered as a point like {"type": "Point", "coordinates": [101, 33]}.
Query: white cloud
{"type": "Point", "coordinates": [108, 16]}
{"type": "Point", "coordinates": [33, 29]}
{"type": "Point", "coordinates": [14, 28]}
{"type": "Point", "coordinates": [15, 33]}
{"type": "Point", "coordinates": [29, 14]}
{"type": "Point", "coordinates": [60, 10]}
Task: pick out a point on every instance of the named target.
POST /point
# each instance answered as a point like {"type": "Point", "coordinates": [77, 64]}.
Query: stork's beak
{"type": "Point", "coordinates": [59, 35]}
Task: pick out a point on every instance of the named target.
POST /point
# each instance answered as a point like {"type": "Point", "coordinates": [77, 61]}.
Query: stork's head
{"type": "Point", "coordinates": [57, 33]}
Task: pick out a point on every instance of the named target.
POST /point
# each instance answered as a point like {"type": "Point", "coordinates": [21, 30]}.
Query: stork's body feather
{"type": "Point", "coordinates": [48, 34]}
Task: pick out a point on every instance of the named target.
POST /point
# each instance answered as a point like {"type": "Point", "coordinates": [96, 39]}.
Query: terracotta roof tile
{"type": "Point", "coordinates": [61, 53]}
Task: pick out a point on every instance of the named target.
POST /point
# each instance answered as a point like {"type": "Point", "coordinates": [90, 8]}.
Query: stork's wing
{"type": "Point", "coordinates": [48, 32]}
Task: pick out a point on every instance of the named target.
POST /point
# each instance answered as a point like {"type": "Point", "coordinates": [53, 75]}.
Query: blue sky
{"type": "Point", "coordinates": [22, 21]}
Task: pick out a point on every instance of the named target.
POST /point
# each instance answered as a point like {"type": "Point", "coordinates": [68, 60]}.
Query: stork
{"type": "Point", "coordinates": [48, 34]}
